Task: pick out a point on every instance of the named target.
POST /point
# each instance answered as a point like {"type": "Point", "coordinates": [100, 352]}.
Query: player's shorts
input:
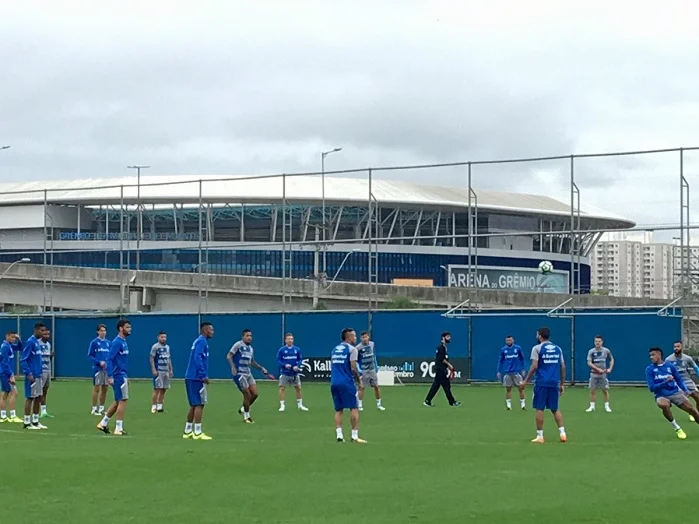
{"type": "Point", "coordinates": [691, 386]}
{"type": "Point", "coordinates": [45, 379]}
{"type": "Point", "coordinates": [545, 397]}
{"type": "Point", "coordinates": [289, 380]}
{"type": "Point", "coordinates": [162, 381]}
{"type": "Point", "coordinates": [344, 396]}
{"type": "Point", "coordinates": [599, 382]}
{"type": "Point", "coordinates": [196, 392]}
{"type": "Point", "coordinates": [677, 399]}
{"type": "Point", "coordinates": [512, 379]}
{"type": "Point", "coordinates": [121, 388]}
{"type": "Point", "coordinates": [34, 390]}
{"type": "Point", "coordinates": [244, 381]}
{"type": "Point", "coordinates": [100, 379]}
{"type": "Point", "coordinates": [369, 379]}
{"type": "Point", "coordinates": [5, 385]}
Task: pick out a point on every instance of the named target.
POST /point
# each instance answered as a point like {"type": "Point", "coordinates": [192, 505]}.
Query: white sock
{"type": "Point", "coordinates": [94, 409]}
{"type": "Point", "coordinates": [522, 402]}
{"type": "Point", "coordinates": [355, 434]}
{"type": "Point", "coordinates": [361, 403]}
{"type": "Point", "coordinates": [539, 433]}
{"type": "Point", "coordinates": [188, 427]}
{"type": "Point", "coordinates": [675, 425]}
{"type": "Point", "coordinates": [35, 418]}
{"type": "Point", "coordinates": [508, 402]}
{"type": "Point", "coordinates": [13, 413]}
{"type": "Point", "coordinates": [562, 430]}
{"type": "Point", "coordinates": [159, 407]}
{"type": "Point", "coordinates": [197, 429]}
{"type": "Point", "coordinates": [592, 405]}
{"type": "Point", "coordinates": [120, 425]}
{"type": "Point", "coordinates": [101, 409]}
{"type": "Point", "coordinates": [378, 401]}
{"type": "Point", "coordinates": [299, 402]}
{"type": "Point", "coordinates": [246, 415]}
{"type": "Point", "coordinates": [43, 409]}
{"type": "Point", "coordinates": [282, 404]}
{"type": "Point", "coordinates": [3, 414]}
{"type": "Point", "coordinates": [105, 421]}
{"type": "Point", "coordinates": [153, 407]}
{"type": "Point", "coordinates": [606, 404]}
{"type": "Point", "coordinates": [27, 420]}
{"type": "Point", "coordinates": [338, 432]}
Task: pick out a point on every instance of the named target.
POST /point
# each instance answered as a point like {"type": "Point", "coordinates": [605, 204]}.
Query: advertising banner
{"type": "Point", "coordinates": [509, 279]}
{"type": "Point", "coordinates": [408, 370]}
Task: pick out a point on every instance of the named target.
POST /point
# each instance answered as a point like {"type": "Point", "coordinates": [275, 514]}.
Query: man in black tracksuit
{"type": "Point", "coordinates": [442, 371]}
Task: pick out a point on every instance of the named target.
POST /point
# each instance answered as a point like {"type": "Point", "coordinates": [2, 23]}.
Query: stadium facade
{"type": "Point", "coordinates": [268, 226]}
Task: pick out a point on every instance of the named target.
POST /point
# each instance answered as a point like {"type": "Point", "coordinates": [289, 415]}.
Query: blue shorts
{"type": "Point", "coordinates": [545, 397]}
{"type": "Point", "coordinates": [196, 392]}
{"type": "Point", "coordinates": [5, 385]}
{"type": "Point", "coordinates": [344, 396]}
{"type": "Point", "coordinates": [121, 388]}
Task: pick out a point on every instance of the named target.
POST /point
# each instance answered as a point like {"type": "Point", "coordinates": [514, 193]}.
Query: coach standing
{"type": "Point", "coordinates": [442, 372]}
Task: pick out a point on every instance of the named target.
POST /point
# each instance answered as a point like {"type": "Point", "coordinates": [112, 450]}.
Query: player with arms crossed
{"type": "Point", "coordinates": [597, 359]}
{"type": "Point", "coordinates": [117, 377]}
{"type": "Point", "coordinates": [8, 389]}
{"type": "Point", "coordinates": [241, 359]}
{"type": "Point", "coordinates": [98, 353]}
{"type": "Point", "coordinates": [46, 357]}
{"type": "Point", "coordinates": [665, 382]}
{"type": "Point", "coordinates": [684, 363]}
{"type": "Point", "coordinates": [511, 367]}
{"type": "Point", "coordinates": [196, 377]}
{"type": "Point", "coordinates": [31, 363]}
{"type": "Point", "coordinates": [343, 376]}
{"type": "Point", "coordinates": [550, 370]}
{"type": "Point", "coordinates": [289, 360]}
{"type": "Point", "coordinates": [368, 367]}
{"type": "Point", "coordinates": [161, 367]}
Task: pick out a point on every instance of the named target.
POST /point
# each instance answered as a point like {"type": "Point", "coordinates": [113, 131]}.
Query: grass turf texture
{"type": "Point", "coordinates": [473, 463]}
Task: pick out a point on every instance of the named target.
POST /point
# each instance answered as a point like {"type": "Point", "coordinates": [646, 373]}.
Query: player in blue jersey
{"type": "Point", "coordinates": [368, 370]}
{"type": "Point", "coordinates": [98, 353]}
{"type": "Point", "coordinates": [511, 371]}
{"type": "Point", "coordinates": [8, 389]}
{"type": "Point", "coordinates": [550, 370]}
{"type": "Point", "coordinates": [117, 377]}
{"type": "Point", "coordinates": [196, 377]}
{"type": "Point", "coordinates": [289, 360]}
{"type": "Point", "coordinates": [241, 359]}
{"type": "Point", "coordinates": [665, 382]}
{"type": "Point", "coordinates": [46, 358]}
{"type": "Point", "coordinates": [31, 363]}
{"type": "Point", "coordinates": [344, 375]}
{"type": "Point", "coordinates": [161, 367]}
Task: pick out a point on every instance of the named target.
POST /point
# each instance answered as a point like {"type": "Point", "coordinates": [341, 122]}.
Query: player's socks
{"type": "Point", "coordinates": [35, 419]}
{"type": "Point", "coordinates": [522, 403]}
{"type": "Point", "coordinates": [607, 408]}
{"type": "Point", "coordinates": [282, 405]}
{"type": "Point", "coordinates": [562, 432]}
{"type": "Point", "coordinates": [379, 405]}
{"type": "Point", "coordinates": [360, 404]}
{"type": "Point", "coordinates": [508, 403]}
{"type": "Point", "coordinates": [93, 411]}
{"type": "Point", "coordinates": [675, 425]}
{"type": "Point", "coordinates": [159, 407]}
{"type": "Point", "coordinates": [197, 429]}
{"type": "Point", "coordinates": [27, 420]}
{"type": "Point", "coordinates": [3, 415]}
{"type": "Point", "coordinates": [355, 434]}
{"type": "Point", "coordinates": [153, 408]}
{"type": "Point", "coordinates": [100, 410]}
{"type": "Point", "coordinates": [13, 413]}
{"type": "Point", "coordinates": [591, 408]}
{"type": "Point", "coordinates": [300, 406]}
{"type": "Point", "coordinates": [43, 409]}
{"type": "Point", "coordinates": [188, 427]}
{"type": "Point", "coordinates": [338, 433]}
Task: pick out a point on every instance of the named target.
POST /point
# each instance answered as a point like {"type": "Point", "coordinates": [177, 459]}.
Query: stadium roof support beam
{"type": "Point", "coordinates": [417, 228]}
{"type": "Point", "coordinates": [436, 229]}
{"type": "Point", "coordinates": [338, 217]}
{"type": "Point", "coordinates": [396, 212]}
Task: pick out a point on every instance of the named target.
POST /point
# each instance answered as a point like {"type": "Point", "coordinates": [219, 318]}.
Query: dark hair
{"type": "Point", "coordinates": [203, 325]}
{"type": "Point", "coordinates": [38, 326]}
{"type": "Point", "coordinates": [364, 333]}
{"type": "Point", "coordinates": [651, 350]}
{"type": "Point", "coordinates": [122, 323]}
{"type": "Point", "coordinates": [599, 337]}
{"type": "Point", "coordinates": [288, 335]}
{"type": "Point", "coordinates": [100, 326]}
{"type": "Point", "coordinates": [9, 334]}
{"type": "Point", "coordinates": [162, 333]}
{"type": "Point", "coordinates": [246, 331]}
{"type": "Point", "coordinates": [544, 333]}
{"type": "Point", "coordinates": [445, 334]}
{"type": "Point", "coordinates": [678, 342]}
{"type": "Point", "coordinates": [345, 332]}
{"type": "Point", "coordinates": [509, 336]}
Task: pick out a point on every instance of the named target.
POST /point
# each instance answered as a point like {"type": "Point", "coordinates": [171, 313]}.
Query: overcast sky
{"type": "Point", "coordinates": [241, 87]}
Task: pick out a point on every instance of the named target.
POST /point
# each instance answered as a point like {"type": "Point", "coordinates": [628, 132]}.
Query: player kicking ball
{"type": "Point", "coordinates": [665, 383]}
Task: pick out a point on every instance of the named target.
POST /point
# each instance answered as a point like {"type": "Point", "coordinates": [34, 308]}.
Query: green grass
{"type": "Point", "coordinates": [473, 463]}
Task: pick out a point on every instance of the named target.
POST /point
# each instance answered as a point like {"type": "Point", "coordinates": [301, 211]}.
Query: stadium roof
{"type": "Point", "coordinates": [307, 189]}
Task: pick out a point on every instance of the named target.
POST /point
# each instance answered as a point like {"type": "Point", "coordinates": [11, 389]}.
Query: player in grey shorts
{"type": "Point", "coordinates": [597, 359]}
{"type": "Point", "coordinates": [161, 367]}
{"type": "Point", "coordinates": [46, 356]}
{"type": "Point", "coordinates": [368, 367]}
{"type": "Point", "coordinates": [685, 363]}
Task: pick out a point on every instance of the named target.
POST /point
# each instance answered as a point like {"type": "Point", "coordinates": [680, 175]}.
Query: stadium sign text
{"type": "Point", "coordinates": [522, 279]}
{"type": "Point", "coordinates": [408, 370]}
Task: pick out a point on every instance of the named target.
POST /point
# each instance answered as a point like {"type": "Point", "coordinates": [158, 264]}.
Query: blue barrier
{"type": "Point", "coordinates": [409, 334]}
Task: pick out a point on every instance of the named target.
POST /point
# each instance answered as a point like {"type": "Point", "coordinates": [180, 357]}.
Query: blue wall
{"type": "Point", "coordinates": [397, 334]}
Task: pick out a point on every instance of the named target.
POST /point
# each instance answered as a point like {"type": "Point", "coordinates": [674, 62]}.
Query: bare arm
{"type": "Point", "coordinates": [229, 357]}
{"type": "Point", "coordinates": [355, 371]}
{"type": "Point", "coordinates": [152, 365]}
{"type": "Point", "coordinates": [257, 366]}
{"type": "Point", "coordinates": [532, 370]}
{"type": "Point", "coordinates": [563, 375]}
{"type": "Point", "coordinates": [592, 366]}
{"type": "Point", "coordinates": [611, 362]}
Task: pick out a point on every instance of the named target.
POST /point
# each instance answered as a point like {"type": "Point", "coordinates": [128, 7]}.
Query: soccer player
{"type": "Point", "coordinates": [665, 382]}
{"type": "Point", "coordinates": [117, 377]}
{"type": "Point", "coordinates": [550, 370]}
{"type": "Point", "coordinates": [161, 367]}
{"type": "Point", "coordinates": [368, 366]}
{"type": "Point", "coordinates": [289, 361]}
{"type": "Point", "coordinates": [511, 367]}
{"type": "Point", "coordinates": [98, 353]}
{"type": "Point", "coordinates": [8, 389]}
{"type": "Point", "coordinates": [31, 363]}
{"type": "Point", "coordinates": [196, 377]}
{"type": "Point", "coordinates": [46, 357]}
{"type": "Point", "coordinates": [443, 371]}
{"type": "Point", "coordinates": [343, 376]}
{"type": "Point", "coordinates": [597, 359]}
{"type": "Point", "coordinates": [683, 363]}
{"type": "Point", "coordinates": [241, 359]}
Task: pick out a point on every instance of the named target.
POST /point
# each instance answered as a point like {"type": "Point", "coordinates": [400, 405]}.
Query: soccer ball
{"type": "Point", "coordinates": [545, 266]}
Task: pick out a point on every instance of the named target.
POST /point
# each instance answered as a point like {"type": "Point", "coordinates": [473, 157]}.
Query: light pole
{"type": "Point", "coordinates": [322, 181]}
{"type": "Point", "coordinates": [139, 219]}
{"type": "Point", "coordinates": [316, 287]}
{"type": "Point", "coordinates": [20, 261]}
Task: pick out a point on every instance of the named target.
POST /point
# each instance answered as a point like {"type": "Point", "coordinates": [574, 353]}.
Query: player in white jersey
{"type": "Point", "coordinates": [368, 367]}
{"type": "Point", "coordinates": [597, 359]}
{"type": "Point", "coordinates": [46, 357]}
{"type": "Point", "coordinates": [161, 367]}
{"type": "Point", "coordinates": [685, 363]}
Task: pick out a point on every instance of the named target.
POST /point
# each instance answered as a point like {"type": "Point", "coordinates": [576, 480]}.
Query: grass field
{"type": "Point", "coordinates": [473, 463]}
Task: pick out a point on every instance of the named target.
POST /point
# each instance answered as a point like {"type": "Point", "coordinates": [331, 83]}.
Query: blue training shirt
{"type": "Point", "coordinates": [341, 368]}
{"type": "Point", "coordinates": [118, 358]}
{"type": "Point", "coordinates": [550, 361]}
{"type": "Point", "coordinates": [198, 365]}
{"type": "Point", "coordinates": [511, 360]}
{"type": "Point", "coordinates": [663, 380]}
{"type": "Point", "coordinates": [291, 356]}
{"type": "Point", "coordinates": [31, 360]}
{"type": "Point", "coordinates": [7, 359]}
{"type": "Point", "coordinates": [366, 357]}
{"type": "Point", "coordinates": [98, 352]}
